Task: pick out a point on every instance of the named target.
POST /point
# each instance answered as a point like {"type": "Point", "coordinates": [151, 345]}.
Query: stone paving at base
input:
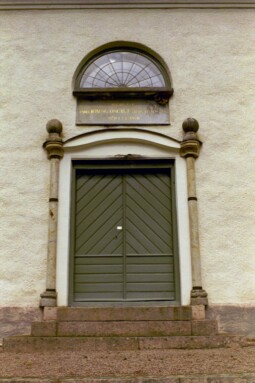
{"type": "Point", "coordinates": [222, 378]}
{"type": "Point", "coordinates": [231, 365]}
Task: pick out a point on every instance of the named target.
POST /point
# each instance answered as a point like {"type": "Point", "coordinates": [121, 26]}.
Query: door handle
{"type": "Point", "coordinates": [119, 228]}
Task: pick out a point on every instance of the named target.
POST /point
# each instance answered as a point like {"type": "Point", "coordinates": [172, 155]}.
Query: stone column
{"type": "Point", "coordinates": [54, 147]}
{"type": "Point", "coordinates": [190, 148]}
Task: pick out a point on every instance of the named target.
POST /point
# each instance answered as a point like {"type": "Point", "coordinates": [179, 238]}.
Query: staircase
{"type": "Point", "coordinates": [121, 328]}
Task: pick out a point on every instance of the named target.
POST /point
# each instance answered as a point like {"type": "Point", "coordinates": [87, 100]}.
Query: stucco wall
{"type": "Point", "coordinates": [211, 57]}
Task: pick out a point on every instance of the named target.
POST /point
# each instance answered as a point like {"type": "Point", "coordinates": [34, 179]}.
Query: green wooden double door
{"type": "Point", "coordinates": [123, 232]}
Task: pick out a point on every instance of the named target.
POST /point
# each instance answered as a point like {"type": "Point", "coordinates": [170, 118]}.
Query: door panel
{"type": "Point", "coordinates": [98, 262]}
{"type": "Point", "coordinates": [148, 214]}
{"type": "Point", "coordinates": [148, 233]}
{"type": "Point", "coordinates": [99, 210]}
{"type": "Point", "coordinates": [123, 241]}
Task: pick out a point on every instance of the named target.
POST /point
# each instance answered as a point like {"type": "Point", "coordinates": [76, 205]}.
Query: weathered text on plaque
{"type": "Point", "coordinates": [118, 112]}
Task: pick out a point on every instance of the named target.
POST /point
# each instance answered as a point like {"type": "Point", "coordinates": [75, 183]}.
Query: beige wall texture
{"type": "Point", "coordinates": [211, 56]}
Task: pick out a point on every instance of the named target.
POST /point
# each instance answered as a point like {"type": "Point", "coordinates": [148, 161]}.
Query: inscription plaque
{"type": "Point", "coordinates": [121, 112]}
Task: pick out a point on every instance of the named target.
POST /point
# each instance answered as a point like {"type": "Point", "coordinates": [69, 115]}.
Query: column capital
{"type": "Point", "coordinates": [190, 145]}
{"type": "Point", "coordinates": [54, 144]}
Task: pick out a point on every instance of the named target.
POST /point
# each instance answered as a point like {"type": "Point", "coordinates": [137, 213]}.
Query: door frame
{"type": "Point", "coordinates": [126, 162]}
{"type": "Point", "coordinates": [109, 143]}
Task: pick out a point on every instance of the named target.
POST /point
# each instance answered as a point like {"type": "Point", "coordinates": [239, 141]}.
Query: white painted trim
{"type": "Point", "coordinates": [123, 4]}
{"type": "Point", "coordinates": [124, 135]}
{"type": "Point", "coordinates": [109, 144]}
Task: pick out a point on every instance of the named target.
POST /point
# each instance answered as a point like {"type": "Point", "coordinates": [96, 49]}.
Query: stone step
{"type": "Point", "coordinates": [124, 328]}
{"type": "Point", "coordinates": [134, 313]}
{"type": "Point", "coordinates": [91, 344]}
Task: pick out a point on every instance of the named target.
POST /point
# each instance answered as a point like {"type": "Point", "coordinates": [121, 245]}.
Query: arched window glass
{"type": "Point", "coordinates": [125, 84]}
{"type": "Point", "coordinates": [122, 70]}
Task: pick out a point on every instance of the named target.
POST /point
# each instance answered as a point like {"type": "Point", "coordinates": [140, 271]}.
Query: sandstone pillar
{"type": "Point", "coordinates": [54, 147]}
{"type": "Point", "coordinates": [190, 147]}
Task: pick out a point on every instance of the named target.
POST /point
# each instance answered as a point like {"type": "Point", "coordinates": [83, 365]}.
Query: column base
{"type": "Point", "coordinates": [48, 298]}
{"type": "Point", "coordinates": [199, 296]}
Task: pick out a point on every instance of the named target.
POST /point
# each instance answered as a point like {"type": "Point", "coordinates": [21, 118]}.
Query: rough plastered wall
{"type": "Point", "coordinates": [211, 57]}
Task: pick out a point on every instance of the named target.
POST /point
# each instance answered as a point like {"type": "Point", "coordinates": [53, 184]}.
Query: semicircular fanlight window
{"type": "Point", "coordinates": [122, 70]}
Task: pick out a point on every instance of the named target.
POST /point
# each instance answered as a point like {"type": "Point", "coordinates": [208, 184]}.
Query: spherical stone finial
{"type": "Point", "coordinates": [54, 126]}
{"type": "Point", "coordinates": [190, 125]}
